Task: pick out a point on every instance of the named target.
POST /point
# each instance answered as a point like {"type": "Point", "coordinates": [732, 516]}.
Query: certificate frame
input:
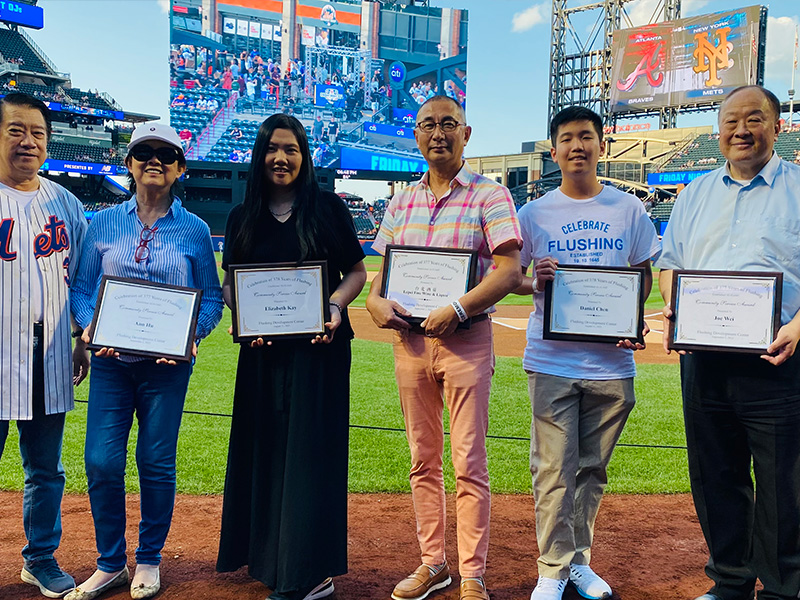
{"type": "Point", "coordinates": [107, 316]}
{"type": "Point", "coordinates": [456, 255]}
{"type": "Point", "coordinates": [316, 270]}
{"type": "Point", "coordinates": [553, 298]}
{"type": "Point", "coordinates": [675, 325]}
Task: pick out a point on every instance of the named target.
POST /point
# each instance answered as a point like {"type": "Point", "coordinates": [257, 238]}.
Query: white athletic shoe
{"type": "Point", "coordinates": [548, 588]}
{"type": "Point", "coordinates": [588, 583]}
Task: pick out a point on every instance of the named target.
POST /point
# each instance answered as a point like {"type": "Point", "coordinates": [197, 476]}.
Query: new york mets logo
{"type": "Point", "coordinates": [6, 227]}
{"type": "Point", "coordinates": [712, 57]}
{"type": "Point", "coordinates": [53, 239]}
{"type": "Point", "coordinates": [65, 266]}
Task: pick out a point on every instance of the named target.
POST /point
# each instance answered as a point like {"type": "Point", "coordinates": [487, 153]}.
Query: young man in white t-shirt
{"type": "Point", "coordinates": [581, 393]}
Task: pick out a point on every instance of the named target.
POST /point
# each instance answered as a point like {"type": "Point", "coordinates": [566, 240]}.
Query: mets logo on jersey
{"type": "Point", "coordinates": [53, 239]}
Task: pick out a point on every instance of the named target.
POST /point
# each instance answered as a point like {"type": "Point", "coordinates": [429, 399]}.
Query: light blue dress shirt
{"type": "Point", "coordinates": [181, 253]}
{"type": "Point", "coordinates": [719, 223]}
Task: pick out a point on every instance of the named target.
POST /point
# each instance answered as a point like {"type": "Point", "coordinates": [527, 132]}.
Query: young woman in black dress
{"type": "Point", "coordinates": [285, 509]}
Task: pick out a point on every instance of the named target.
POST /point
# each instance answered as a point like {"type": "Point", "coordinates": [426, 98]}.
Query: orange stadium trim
{"type": "Point", "coordinates": [275, 6]}
{"type": "Point", "coordinates": [303, 11]}
{"type": "Point", "coordinates": [346, 18]}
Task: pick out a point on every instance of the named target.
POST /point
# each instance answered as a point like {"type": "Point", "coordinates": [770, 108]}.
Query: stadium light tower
{"type": "Point", "coordinates": [580, 63]}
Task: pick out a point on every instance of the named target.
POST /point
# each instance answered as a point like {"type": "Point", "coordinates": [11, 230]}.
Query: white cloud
{"type": "Point", "coordinates": [530, 17]}
{"type": "Point", "coordinates": [641, 11]}
{"type": "Point", "coordinates": [164, 5]}
{"type": "Point", "coordinates": [780, 46]}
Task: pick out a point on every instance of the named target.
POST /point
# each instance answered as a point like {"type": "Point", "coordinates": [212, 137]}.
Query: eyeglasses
{"type": "Point", "coordinates": [165, 155]}
{"type": "Point", "coordinates": [447, 126]}
{"type": "Point", "coordinates": [145, 237]}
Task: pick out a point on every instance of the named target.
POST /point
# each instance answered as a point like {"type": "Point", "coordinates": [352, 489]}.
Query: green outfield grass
{"type": "Point", "coordinates": [379, 459]}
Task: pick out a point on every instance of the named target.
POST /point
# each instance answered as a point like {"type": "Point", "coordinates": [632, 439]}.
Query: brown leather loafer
{"type": "Point", "coordinates": [473, 589]}
{"type": "Point", "coordinates": [421, 583]}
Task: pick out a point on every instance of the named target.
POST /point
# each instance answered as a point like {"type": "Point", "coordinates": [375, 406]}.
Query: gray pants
{"type": "Point", "coordinates": [576, 424]}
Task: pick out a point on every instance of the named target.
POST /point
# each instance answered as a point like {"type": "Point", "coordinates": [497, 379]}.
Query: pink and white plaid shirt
{"type": "Point", "coordinates": [476, 214]}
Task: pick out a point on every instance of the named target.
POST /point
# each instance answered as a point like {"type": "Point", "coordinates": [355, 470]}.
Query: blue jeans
{"type": "Point", "coordinates": [40, 446]}
{"type": "Point", "coordinates": [155, 393]}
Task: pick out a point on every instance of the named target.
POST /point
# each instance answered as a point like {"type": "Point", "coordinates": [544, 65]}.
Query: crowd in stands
{"type": "Point", "coordinates": [63, 95]}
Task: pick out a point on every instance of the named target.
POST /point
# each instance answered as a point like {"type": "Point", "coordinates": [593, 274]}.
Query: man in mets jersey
{"type": "Point", "coordinates": [41, 231]}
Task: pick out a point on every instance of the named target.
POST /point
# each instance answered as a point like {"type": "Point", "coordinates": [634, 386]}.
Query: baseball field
{"type": "Point", "coordinates": [648, 542]}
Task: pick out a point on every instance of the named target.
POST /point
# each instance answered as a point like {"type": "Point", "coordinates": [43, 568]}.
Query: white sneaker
{"type": "Point", "coordinates": [548, 589]}
{"type": "Point", "coordinates": [588, 583]}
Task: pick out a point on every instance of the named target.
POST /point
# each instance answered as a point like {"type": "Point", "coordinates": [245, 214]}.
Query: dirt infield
{"type": "Point", "coordinates": [647, 547]}
{"type": "Point", "coordinates": [509, 333]}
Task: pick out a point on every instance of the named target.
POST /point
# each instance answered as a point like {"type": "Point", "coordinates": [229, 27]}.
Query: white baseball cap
{"type": "Point", "coordinates": [155, 131]}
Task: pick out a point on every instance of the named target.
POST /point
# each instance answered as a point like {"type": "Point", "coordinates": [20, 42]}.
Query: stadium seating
{"type": "Point", "coordinates": [81, 153]}
{"type": "Point", "coordinates": [89, 99]}
{"type": "Point", "coordinates": [13, 47]}
{"type": "Point", "coordinates": [662, 211]}
{"type": "Point", "coordinates": [227, 144]}
{"type": "Point", "coordinates": [703, 153]}
{"type": "Point", "coordinates": [40, 91]}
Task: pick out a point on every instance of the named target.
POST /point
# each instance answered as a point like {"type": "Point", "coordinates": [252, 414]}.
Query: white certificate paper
{"type": "Point", "coordinates": [279, 301]}
{"type": "Point", "coordinates": [143, 318]}
{"type": "Point", "coordinates": [596, 302]}
{"type": "Point", "coordinates": [725, 312]}
{"type": "Point", "coordinates": [423, 280]}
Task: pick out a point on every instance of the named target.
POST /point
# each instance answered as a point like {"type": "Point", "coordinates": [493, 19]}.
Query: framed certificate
{"type": "Point", "coordinates": [143, 318]}
{"type": "Point", "coordinates": [729, 311]}
{"type": "Point", "coordinates": [594, 304]}
{"type": "Point", "coordinates": [279, 300]}
{"type": "Point", "coordinates": [423, 279]}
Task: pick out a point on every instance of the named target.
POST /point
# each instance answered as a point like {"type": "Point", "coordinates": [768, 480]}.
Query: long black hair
{"type": "Point", "coordinates": [311, 212]}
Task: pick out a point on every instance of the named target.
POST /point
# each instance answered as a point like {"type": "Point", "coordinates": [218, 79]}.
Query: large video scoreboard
{"type": "Point", "coordinates": [698, 60]}
{"type": "Point", "coordinates": [20, 13]}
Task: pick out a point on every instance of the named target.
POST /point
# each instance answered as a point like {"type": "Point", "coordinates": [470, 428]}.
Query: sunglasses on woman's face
{"type": "Point", "coordinates": [165, 155]}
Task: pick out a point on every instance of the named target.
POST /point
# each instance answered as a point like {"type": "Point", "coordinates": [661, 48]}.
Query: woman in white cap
{"type": "Point", "coordinates": [149, 237]}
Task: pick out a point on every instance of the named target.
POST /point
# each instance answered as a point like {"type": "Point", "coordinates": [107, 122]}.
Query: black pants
{"type": "Point", "coordinates": [738, 408]}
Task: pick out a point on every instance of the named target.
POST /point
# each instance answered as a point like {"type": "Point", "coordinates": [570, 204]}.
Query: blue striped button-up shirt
{"type": "Point", "coordinates": [48, 239]}
{"type": "Point", "coordinates": [721, 224]}
{"type": "Point", "coordinates": [181, 253]}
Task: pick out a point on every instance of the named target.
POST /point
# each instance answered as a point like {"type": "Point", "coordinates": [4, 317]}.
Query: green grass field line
{"type": "Point", "coordinates": [379, 460]}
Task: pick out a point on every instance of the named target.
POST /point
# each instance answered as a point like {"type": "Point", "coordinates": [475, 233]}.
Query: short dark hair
{"type": "Point", "coordinates": [441, 98]}
{"type": "Point", "coordinates": [572, 114]}
{"type": "Point", "coordinates": [772, 99]}
{"type": "Point", "coordinates": [20, 99]}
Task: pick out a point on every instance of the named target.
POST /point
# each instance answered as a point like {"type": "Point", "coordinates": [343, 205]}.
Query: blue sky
{"type": "Point", "coordinates": [121, 46]}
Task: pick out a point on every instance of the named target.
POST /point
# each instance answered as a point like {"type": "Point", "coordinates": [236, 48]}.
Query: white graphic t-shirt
{"type": "Point", "coordinates": [611, 229]}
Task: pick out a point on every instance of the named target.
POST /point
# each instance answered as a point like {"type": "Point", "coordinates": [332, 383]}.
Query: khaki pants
{"type": "Point", "coordinates": [575, 425]}
{"type": "Point", "coordinates": [457, 369]}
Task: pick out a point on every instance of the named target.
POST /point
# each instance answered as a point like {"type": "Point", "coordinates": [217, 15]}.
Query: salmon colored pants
{"type": "Point", "coordinates": [457, 370]}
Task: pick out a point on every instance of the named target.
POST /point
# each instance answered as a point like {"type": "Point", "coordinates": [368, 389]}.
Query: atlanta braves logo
{"type": "Point", "coordinates": [53, 239]}
{"type": "Point", "coordinates": [648, 65]}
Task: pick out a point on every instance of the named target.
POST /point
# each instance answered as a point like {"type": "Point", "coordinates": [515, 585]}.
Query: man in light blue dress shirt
{"type": "Point", "coordinates": [743, 408]}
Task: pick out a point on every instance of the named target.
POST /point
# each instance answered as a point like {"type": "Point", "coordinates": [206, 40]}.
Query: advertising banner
{"type": "Point", "coordinates": [698, 60]}
{"type": "Point", "coordinates": [355, 158]}
{"type": "Point", "coordinates": [329, 96]}
{"type": "Point", "coordinates": [308, 35]}
{"type": "Point", "coordinates": [380, 129]}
